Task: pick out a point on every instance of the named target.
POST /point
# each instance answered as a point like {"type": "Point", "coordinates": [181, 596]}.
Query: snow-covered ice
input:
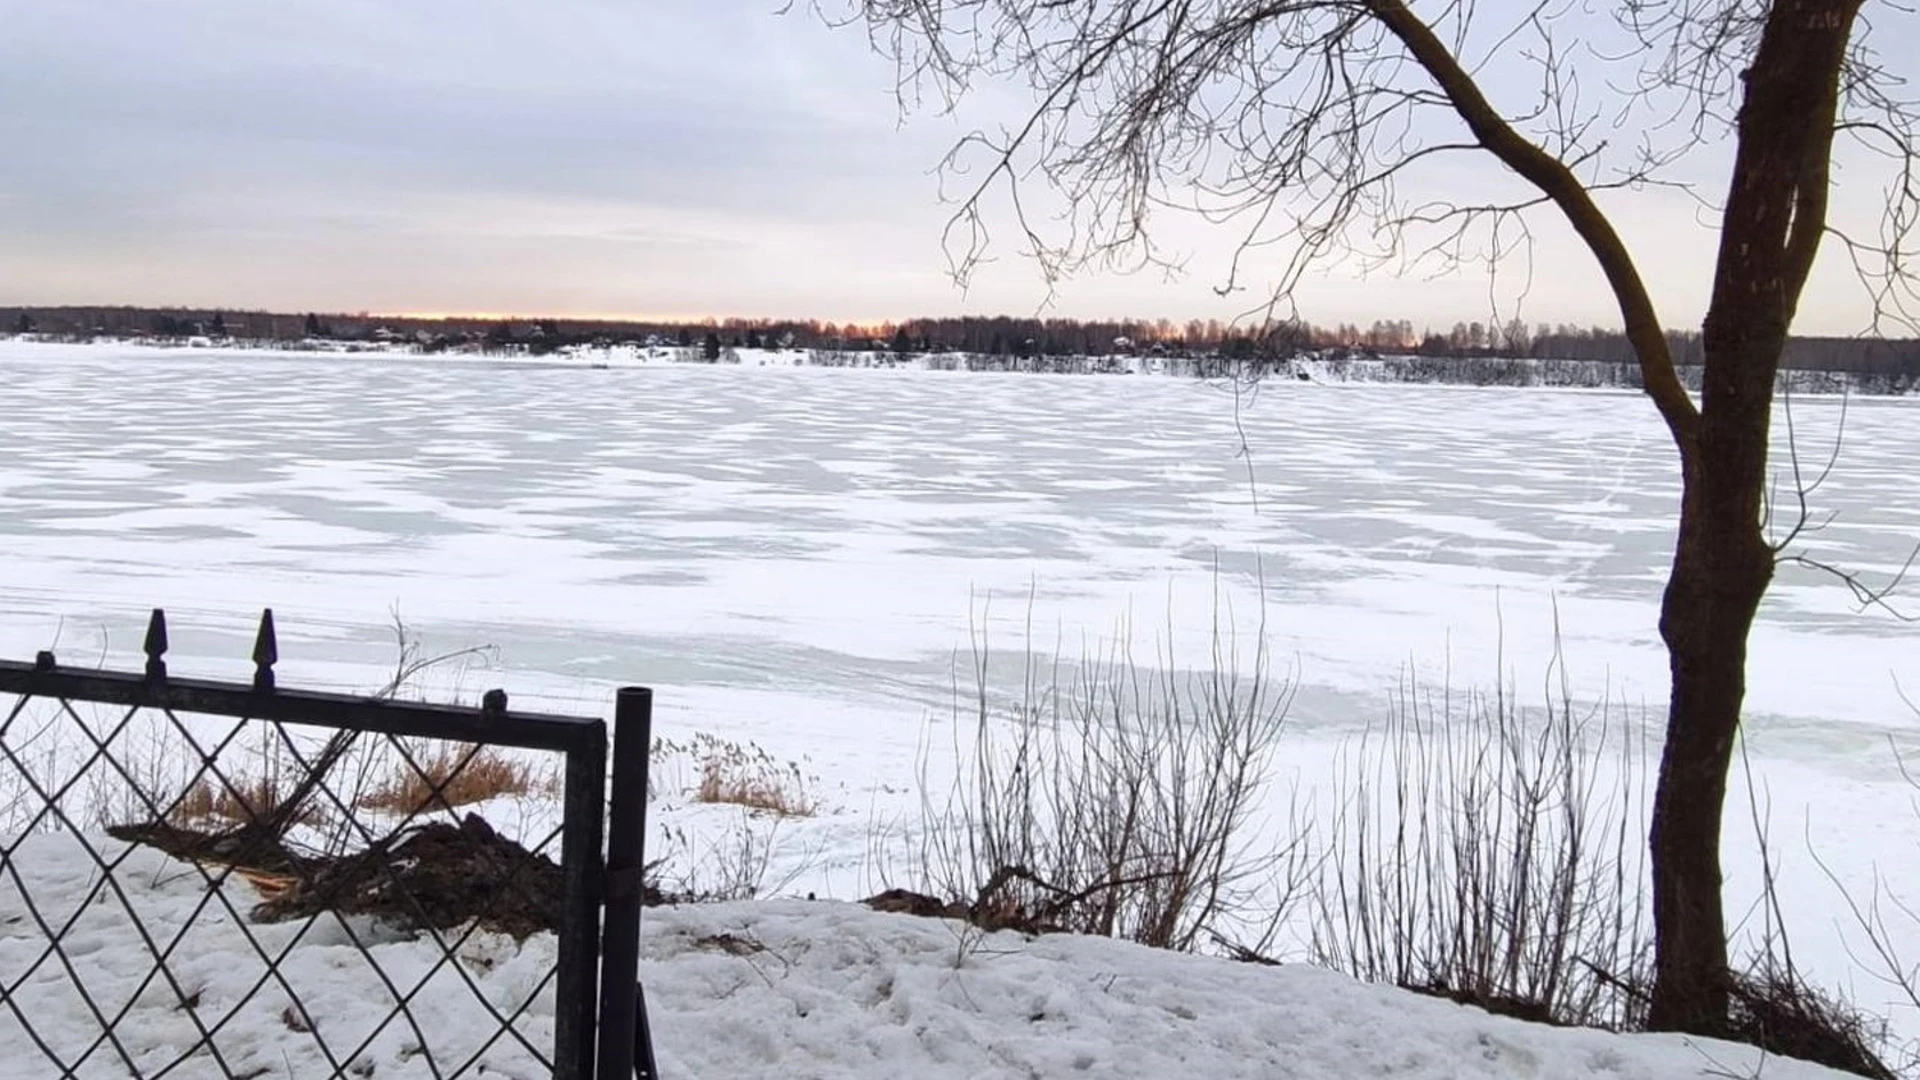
{"type": "Point", "coordinates": [822, 532]}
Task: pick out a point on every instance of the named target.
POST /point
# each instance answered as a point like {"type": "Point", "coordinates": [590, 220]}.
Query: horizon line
{"type": "Point", "coordinates": [695, 320]}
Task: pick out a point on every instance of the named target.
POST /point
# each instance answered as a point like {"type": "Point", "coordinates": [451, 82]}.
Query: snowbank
{"type": "Point", "coordinates": [839, 991]}
{"type": "Point", "coordinates": [786, 988]}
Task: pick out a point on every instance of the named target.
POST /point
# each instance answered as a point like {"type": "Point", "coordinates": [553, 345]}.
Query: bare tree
{"type": "Point", "coordinates": [1312, 127]}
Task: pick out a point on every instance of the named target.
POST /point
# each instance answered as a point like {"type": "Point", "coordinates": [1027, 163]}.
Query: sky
{"type": "Point", "coordinates": [655, 158]}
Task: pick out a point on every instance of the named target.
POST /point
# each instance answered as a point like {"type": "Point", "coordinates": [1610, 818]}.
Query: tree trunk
{"type": "Point", "coordinates": [1774, 218]}
{"type": "Point", "coordinates": [1721, 569]}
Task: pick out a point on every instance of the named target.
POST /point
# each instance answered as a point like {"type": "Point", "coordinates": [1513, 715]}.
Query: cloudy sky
{"type": "Point", "coordinates": [679, 158]}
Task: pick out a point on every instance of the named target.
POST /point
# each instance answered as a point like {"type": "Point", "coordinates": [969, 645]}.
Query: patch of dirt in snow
{"type": "Point", "coordinates": [433, 875]}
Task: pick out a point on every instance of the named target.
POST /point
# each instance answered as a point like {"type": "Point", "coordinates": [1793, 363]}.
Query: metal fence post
{"type": "Point", "coordinates": [575, 1001]}
{"type": "Point", "coordinates": [626, 1044]}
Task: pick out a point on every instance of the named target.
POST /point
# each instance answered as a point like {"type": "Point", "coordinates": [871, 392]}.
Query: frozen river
{"type": "Point", "coordinates": [826, 533]}
{"type": "Point", "coordinates": [793, 556]}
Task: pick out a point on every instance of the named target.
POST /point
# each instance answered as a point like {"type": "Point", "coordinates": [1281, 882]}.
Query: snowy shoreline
{"type": "Point", "coordinates": [1325, 367]}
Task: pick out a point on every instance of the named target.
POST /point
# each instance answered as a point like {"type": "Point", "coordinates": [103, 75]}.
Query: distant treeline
{"type": "Point", "coordinates": [1019, 338]}
{"type": "Point", "coordinates": [1350, 365]}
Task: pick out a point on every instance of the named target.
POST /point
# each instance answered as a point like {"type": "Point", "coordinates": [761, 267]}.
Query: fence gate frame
{"type": "Point", "coordinates": [600, 1023]}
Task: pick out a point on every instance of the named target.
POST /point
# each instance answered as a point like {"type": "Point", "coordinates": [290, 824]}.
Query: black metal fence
{"type": "Point", "coordinates": [231, 880]}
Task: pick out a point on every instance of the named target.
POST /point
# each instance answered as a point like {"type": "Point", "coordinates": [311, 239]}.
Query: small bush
{"type": "Point", "coordinates": [735, 865]}
{"type": "Point", "coordinates": [1774, 1009]}
{"type": "Point", "coordinates": [447, 775]}
{"type": "Point", "coordinates": [1110, 797]}
{"type": "Point", "coordinates": [1493, 855]}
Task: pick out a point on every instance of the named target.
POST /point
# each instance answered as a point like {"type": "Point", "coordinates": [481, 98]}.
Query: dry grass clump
{"type": "Point", "coordinates": [242, 801]}
{"type": "Point", "coordinates": [746, 775]}
{"type": "Point", "coordinates": [446, 775]}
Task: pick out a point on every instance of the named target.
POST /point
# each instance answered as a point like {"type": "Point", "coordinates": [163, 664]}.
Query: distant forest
{"type": "Point", "coordinates": [996, 336]}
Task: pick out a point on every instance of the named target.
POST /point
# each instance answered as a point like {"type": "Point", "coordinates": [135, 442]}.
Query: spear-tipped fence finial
{"type": "Point", "coordinates": [156, 646]}
{"type": "Point", "coordinates": [266, 652]}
